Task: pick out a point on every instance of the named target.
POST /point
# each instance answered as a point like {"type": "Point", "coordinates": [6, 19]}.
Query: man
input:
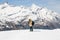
{"type": "Point", "coordinates": [31, 23]}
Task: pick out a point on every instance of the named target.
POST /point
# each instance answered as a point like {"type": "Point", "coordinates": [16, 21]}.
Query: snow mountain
{"type": "Point", "coordinates": [17, 16]}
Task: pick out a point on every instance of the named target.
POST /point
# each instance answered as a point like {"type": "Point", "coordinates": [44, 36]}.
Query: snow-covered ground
{"type": "Point", "coordinates": [13, 15]}
{"type": "Point", "coordinates": [27, 35]}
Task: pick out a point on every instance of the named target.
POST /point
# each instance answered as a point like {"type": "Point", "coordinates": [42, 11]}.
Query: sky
{"type": "Point", "coordinates": [53, 5]}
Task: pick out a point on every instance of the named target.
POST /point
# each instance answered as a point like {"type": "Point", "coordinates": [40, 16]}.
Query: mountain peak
{"type": "Point", "coordinates": [6, 3]}
{"type": "Point", "coordinates": [34, 6]}
{"type": "Point", "coordinates": [22, 14]}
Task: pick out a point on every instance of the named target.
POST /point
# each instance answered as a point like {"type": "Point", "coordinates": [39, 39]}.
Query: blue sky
{"type": "Point", "coordinates": [50, 4]}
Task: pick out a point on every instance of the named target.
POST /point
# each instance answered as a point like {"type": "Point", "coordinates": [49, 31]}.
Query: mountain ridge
{"type": "Point", "coordinates": [20, 14]}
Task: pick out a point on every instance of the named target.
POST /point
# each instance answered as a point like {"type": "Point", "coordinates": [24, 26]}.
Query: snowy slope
{"type": "Point", "coordinates": [26, 35]}
{"type": "Point", "coordinates": [10, 14]}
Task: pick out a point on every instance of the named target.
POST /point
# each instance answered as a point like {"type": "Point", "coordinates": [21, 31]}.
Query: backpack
{"type": "Point", "coordinates": [32, 22]}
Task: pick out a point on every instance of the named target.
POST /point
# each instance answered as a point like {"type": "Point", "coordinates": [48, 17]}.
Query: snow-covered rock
{"type": "Point", "coordinates": [19, 14]}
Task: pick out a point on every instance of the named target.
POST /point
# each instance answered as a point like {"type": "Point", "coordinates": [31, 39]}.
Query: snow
{"type": "Point", "coordinates": [12, 12]}
{"type": "Point", "coordinates": [40, 15]}
{"type": "Point", "coordinates": [20, 14]}
{"type": "Point", "coordinates": [37, 34]}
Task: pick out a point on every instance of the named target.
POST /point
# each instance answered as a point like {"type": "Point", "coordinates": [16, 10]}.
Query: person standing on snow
{"type": "Point", "coordinates": [31, 23]}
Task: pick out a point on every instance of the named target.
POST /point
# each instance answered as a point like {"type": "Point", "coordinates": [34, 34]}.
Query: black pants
{"type": "Point", "coordinates": [31, 28]}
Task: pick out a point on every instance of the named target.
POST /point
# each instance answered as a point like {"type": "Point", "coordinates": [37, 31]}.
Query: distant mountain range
{"type": "Point", "coordinates": [18, 16]}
